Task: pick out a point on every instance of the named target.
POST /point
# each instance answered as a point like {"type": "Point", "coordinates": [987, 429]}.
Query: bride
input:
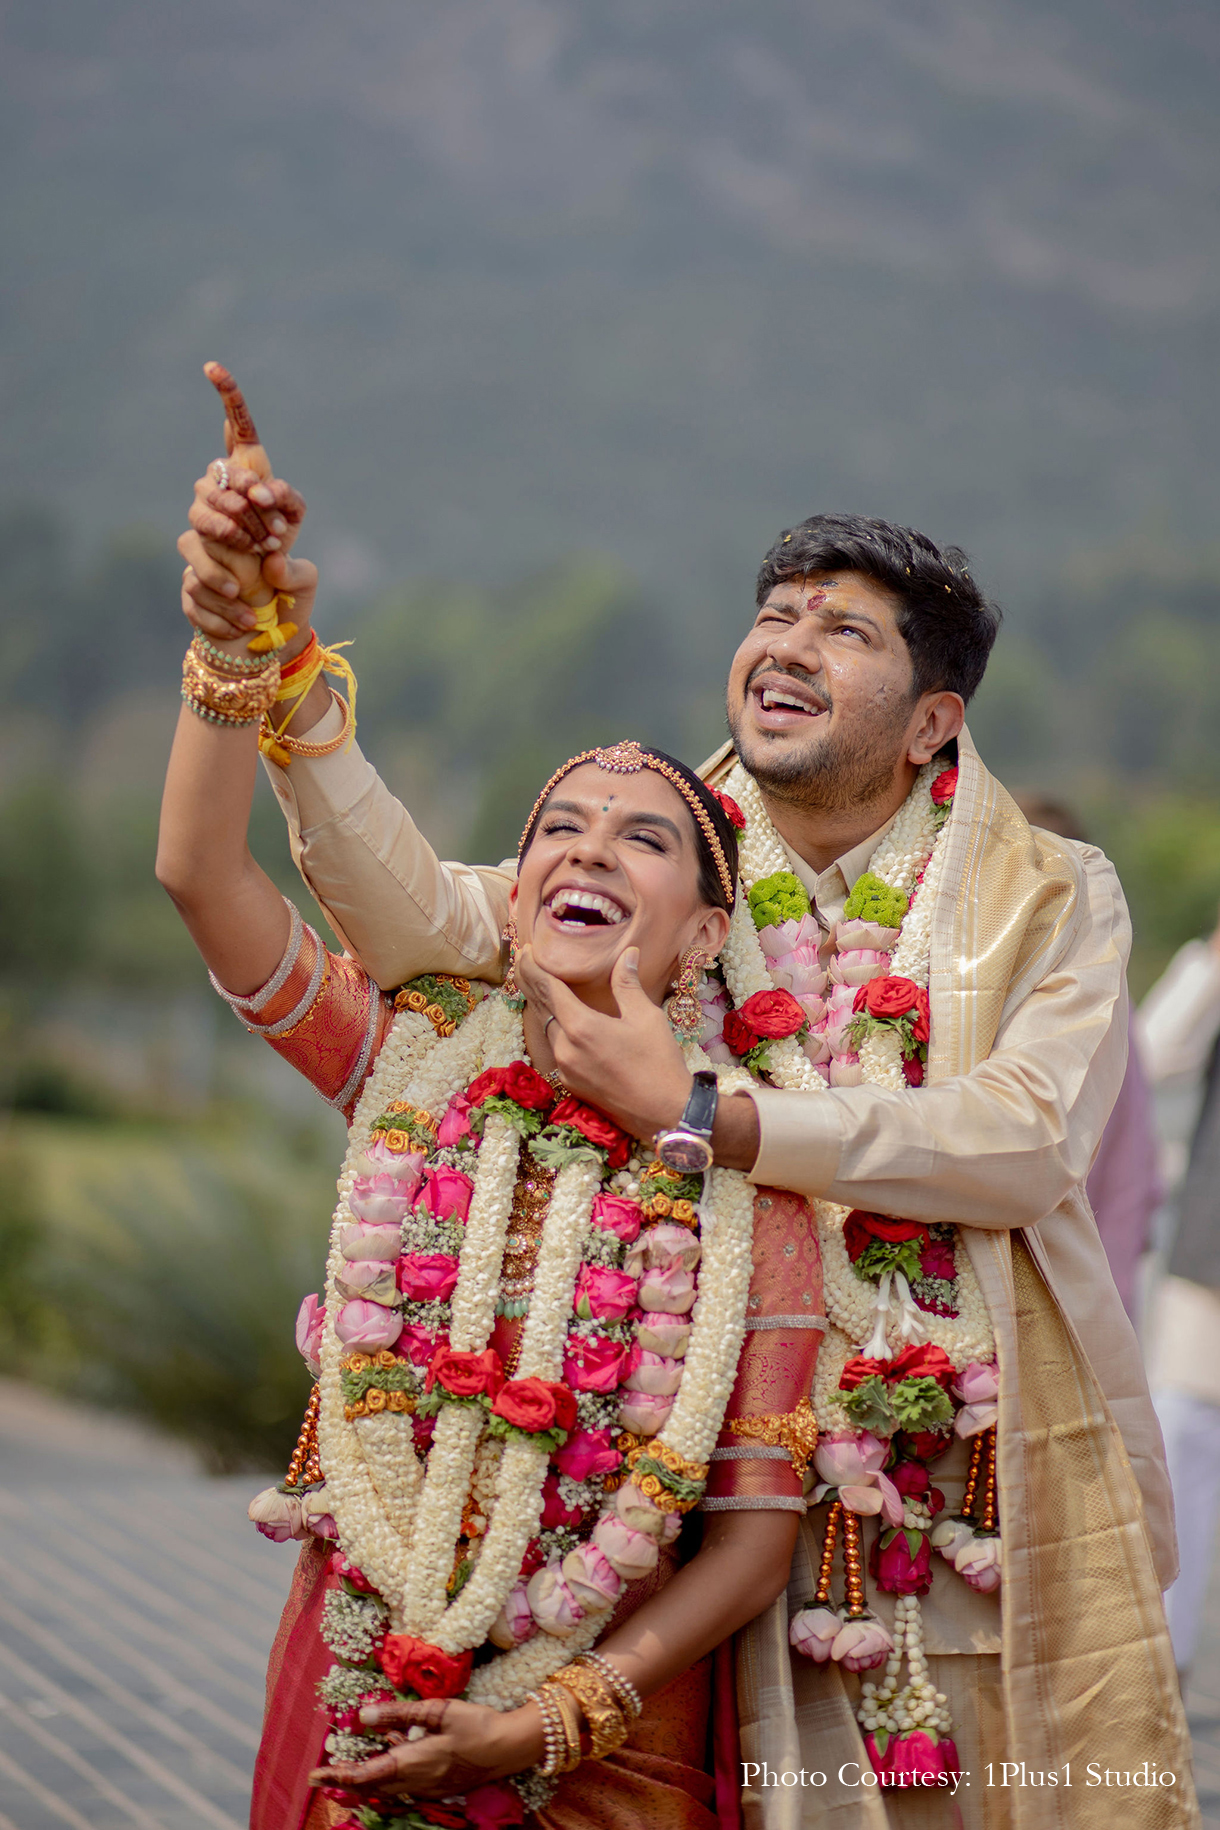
{"type": "Point", "coordinates": [540, 1481]}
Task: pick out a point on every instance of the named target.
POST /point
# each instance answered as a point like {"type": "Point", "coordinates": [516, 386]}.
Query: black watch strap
{"type": "Point", "coordinates": [700, 1113]}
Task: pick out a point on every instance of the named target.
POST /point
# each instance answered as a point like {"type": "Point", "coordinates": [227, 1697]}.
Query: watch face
{"type": "Point", "coordinates": [683, 1151]}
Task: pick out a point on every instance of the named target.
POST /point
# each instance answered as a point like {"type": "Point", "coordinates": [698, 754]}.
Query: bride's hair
{"type": "Point", "coordinates": [711, 883]}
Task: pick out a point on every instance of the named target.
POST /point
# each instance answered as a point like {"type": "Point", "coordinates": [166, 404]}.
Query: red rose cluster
{"type": "Point", "coordinates": [528, 1404]}
{"type": "Point", "coordinates": [413, 1664]}
{"type": "Point", "coordinates": [596, 1128]}
{"type": "Point", "coordinates": [733, 812]}
{"type": "Point", "coordinates": [891, 998]}
{"type": "Point", "coordinates": [768, 1016]}
{"type": "Point", "coordinates": [917, 1362]}
{"type": "Point", "coordinates": [944, 787]}
{"type": "Point", "coordinates": [518, 1082]}
{"type": "Point", "coordinates": [860, 1230]}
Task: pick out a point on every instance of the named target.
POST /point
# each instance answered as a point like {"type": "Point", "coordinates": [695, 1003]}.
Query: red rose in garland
{"type": "Point", "coordinates": [860, 1230]}
{"type": "Point", "coordinates": [527, 1087]}
{"type": "Point", "coordinates": [889, 997]}
{"type": "Point", "coordinates": [923, 1362]}
{"type": "Point", "coordinates": [465, 1375]}
{"type": "Point", "coordinates": [535, 1404]}
{"type": "Point", "coordinates": [413, 1664]}
{"type": "Point", "coordinates": [487, 1085]}
{"type": "Point", "coordinates": [858, 1369]}
{"type": "Point", "coordinates": [596, 1127]}
{"type": "Point", "coordinates": [912, 1068]}
{"type": "Point", "coordinates": [768, 1016]}
{"type": "Point", "coordinates": [944, 787]}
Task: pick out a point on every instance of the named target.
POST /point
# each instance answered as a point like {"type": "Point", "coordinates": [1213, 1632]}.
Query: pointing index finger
{"type": "Point", "coordinates": [236, 411]}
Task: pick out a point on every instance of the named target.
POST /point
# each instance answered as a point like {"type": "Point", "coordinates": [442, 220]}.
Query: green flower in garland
{"type": "Point", "coordinates": [873, 900]}
{"type": "Point", "coordinates": [779, 897]}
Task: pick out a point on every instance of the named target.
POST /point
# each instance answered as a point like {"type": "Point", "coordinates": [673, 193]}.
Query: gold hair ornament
{"type": "Point", "coordinates": [628, 758]}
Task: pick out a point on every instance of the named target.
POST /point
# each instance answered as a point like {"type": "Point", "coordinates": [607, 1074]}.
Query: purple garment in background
{"type": "Point", "coordinates": [1124, 1186]}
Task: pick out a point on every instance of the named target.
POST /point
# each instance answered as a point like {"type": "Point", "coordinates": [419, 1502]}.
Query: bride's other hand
{"type": "Point", "coordinates": [473, 1746]}
{"type": "Point", "coordinates": [210, 603]}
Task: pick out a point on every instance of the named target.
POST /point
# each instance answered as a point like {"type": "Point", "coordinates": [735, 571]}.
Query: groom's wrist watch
{"type": "Point", "coordinates": [688, 1147]}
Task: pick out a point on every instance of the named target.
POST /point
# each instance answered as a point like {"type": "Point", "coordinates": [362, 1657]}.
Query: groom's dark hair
{"type": "Point", "coordinates": [947, 623]}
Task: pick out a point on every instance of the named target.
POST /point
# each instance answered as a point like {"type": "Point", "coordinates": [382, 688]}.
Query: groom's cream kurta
{"type": "Point", "coordinates": [1029, 1036]}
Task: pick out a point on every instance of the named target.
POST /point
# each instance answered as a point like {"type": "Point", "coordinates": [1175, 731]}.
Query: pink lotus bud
{"type": "Point", "coordinates": [586, 1453]}
{"type": "Point", "coordinates": [311, 1320]}
{"type": "Point", "coordinates": [853, 935]}
{"type": "Point", "coordinates": [368, 1326]}
{"type": "Point", "coordinates": [427, 1277]}
{"type": "Point", "coordinates": [652, 1372]}
{"type": "Point", "coordinates": [592, 1364]}
{"type": "Point", "coordinates": [979, 1564]}
{"type": "Point", "coordinates": [635, 1510]}
{"type": "Point", "coordinates": [845, 1071]}
{"type": "Point", "coordinates": [840, 1003]}
{"type": "Point", "coordinates": [455, 1125]}
{"type": "Point", "coordinates": [974, 1418]}
{"type": "Point", "coordinates": [515, 1623]}
{"type": "Point", "coordinates": [813, 1006]}
{"type": "Point", "coordinates": [672, 1243]}
{"type": "Point", "coordinates": [380, 1201]}
{"type": "Point", "coordinates": [663, 1245]}
{"type": "Point", "coordinates": [813, 1631]}
{"type": "Point", "coordinates": [418, 1344]}
{"type": "Point", "coordinates": [316, 1515]}
{"type": "Point", "coordinates": [277, 1515]}
{"type": "Point", "coordinates": [644, 1412]}
{"type": "Point", "coordinates": [720, 1052]}
{"type": "Point", "coordinates": [862, 1644]}
{"type": "Point", "coordinates": [552, 1602]}
{"type": "Point", "coordinates": [858, 966]}
{"type": "Point", "coordinates": [949, 1536]}
{"type": "Point", "coordinates": [661, 1333]}
{"type": "Point", "coordinates": [631, 1553]}
{"type": "Point", "coordinates": [379, 1160]}
{"type": "Point", "coordinates": [446, 1194]}
{"type": "Point", "coordinates": [602, 1293]}
{"type": "Point", "coordinates": [671, 1290]}
{"type": "Point", "coordinates": [370, 1241]}
{"type": "Point", "coordinates": [592, 1578]}
{"type": "Point", "coordinates": [817, 1048]}
{"type": "Point", "coordinates": [977, 1383]}
{"type": "Point", "coordinates": [854, 1465]}
{"type": "Point", "coordinates": [372, 1278]}
{"type": "Point", "coordinates": [616, 1214]}
{"type": "Point", "coordinates": [780, 937]}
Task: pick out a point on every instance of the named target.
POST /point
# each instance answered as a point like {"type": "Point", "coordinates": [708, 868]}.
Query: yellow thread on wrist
{"type": "Point", "coordinates": [270, 632]}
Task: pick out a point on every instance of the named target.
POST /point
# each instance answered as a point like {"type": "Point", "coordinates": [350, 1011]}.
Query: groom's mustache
{"type": "Point", "coordinates": [813, 683]}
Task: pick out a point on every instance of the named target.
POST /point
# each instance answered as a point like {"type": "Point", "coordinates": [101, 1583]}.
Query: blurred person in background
{"type": "Point", "coordinates": [1179, 1023]}
{"type": "Point", "coordinates": [879, 854]}
{"type": "Point", "coordinates": [1124, 1184]}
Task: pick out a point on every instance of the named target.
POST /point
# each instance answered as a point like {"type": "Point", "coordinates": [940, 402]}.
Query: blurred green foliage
{"type": "Point", "coordinates": [154, 1257]}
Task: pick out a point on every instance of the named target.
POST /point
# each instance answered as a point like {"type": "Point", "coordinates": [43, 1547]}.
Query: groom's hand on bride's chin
{"type": "Point", "coordinates": [629, 1065]}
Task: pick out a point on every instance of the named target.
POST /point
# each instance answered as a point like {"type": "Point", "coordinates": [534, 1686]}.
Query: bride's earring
{"type": "Point", "coordinates": [684, 1009]}
{"type": "Point", "coordinates": [510, 987]}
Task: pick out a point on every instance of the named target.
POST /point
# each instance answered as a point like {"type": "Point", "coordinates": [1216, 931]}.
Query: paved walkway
{"type": "Point", "coordinates": [137, 1607]}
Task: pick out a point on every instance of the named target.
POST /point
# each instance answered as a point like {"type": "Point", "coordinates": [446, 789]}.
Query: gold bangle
{"type": "Point", "coordinates": [570, 1716]}
{"type": "Point", "coordinates": [227, 698]}
{"type": "Point", "coordinates": [300, 746]}
{"type": "Point", "coordinates": [608, 1727]}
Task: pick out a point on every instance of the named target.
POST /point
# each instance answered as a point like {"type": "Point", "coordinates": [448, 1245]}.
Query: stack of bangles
{"type": "Point", "coordinates": [590, 1696]}
{"type": "Point", "coordinates": [227, 688]}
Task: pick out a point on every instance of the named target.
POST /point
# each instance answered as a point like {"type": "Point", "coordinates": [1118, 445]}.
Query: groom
{"type": "Point", "coordinates": [867, 644]}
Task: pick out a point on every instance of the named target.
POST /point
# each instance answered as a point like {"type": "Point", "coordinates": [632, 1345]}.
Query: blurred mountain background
{"type": "Point", "coordinates": [556, 314]}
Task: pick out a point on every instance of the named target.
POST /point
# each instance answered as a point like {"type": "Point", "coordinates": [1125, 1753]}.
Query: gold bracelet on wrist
{"type": "Point", "coordinates": [622, 1687]}
{"type": "Point", "coordinates": [604, 1714]}
{"type": "Point", "coordinates": [225, 698]}
{"type": "Point", "coordinates": [571, 1719]}
{"type": "Point", "coordinates": [301, 746]}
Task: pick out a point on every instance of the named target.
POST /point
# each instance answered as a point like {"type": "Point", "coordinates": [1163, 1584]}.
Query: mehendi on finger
{"type": "Point", "coordinates": [236, 410]}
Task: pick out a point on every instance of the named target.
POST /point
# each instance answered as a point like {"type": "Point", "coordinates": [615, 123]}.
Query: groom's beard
{"type": "Point", "coordinates": [834, 772]}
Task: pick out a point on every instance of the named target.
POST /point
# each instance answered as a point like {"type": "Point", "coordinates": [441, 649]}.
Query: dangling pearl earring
{"type": "Point", "coordinates": [684, 1009]}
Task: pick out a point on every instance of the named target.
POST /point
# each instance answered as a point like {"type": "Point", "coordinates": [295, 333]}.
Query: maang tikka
{"type": "Point", "coordinates": [684, 1009]}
